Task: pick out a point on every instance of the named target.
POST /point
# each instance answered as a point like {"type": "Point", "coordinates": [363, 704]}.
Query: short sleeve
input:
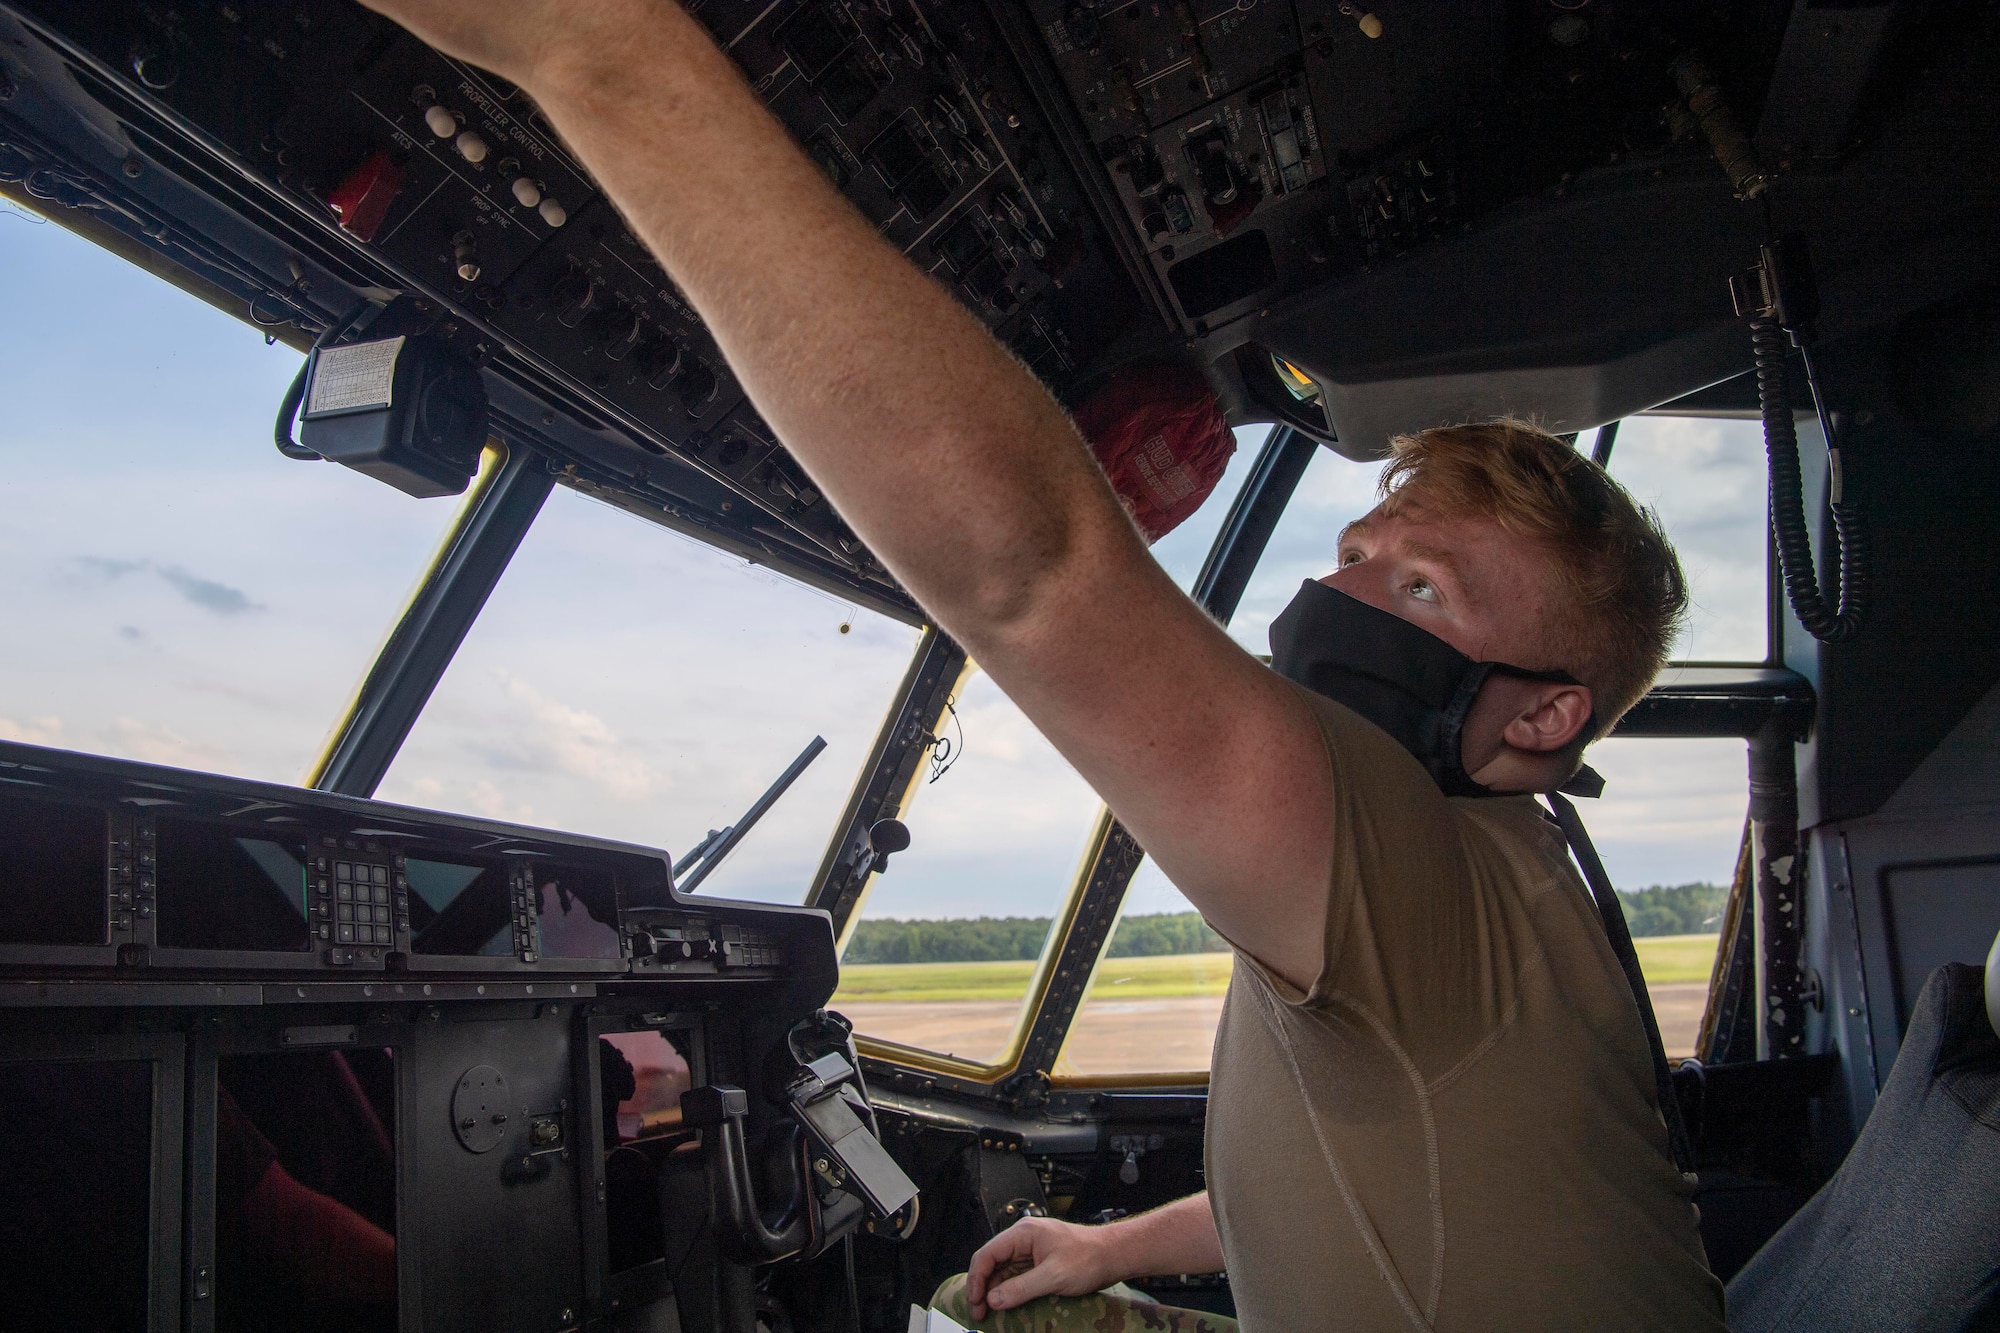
{"type": "Point", "coordinates": [1416, 932]}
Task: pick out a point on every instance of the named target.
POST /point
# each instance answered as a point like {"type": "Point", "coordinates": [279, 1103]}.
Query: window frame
{"type": "Point", "coordinates": [1774, 602]}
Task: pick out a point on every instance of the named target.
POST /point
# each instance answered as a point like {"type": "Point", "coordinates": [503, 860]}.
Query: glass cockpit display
{"type": "Point", "coordinates": [52, 872]}
{"type": "Point", "coordinates": [502, 908]}
{"type": "Point", "coordinates": [223, 890]}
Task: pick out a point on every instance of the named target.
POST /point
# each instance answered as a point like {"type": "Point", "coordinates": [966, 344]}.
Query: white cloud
{"type": "Point", "coordinates": [35, 731]}
{"type": "Point", "coordinates": [489, 800]}
{"type": "Point", "coordinates": [160, 745]}
{"type": "Point", "coordinates": [579, 743]}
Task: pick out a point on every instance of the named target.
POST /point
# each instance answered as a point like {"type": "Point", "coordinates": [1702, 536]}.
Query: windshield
{"type": "Point", "coordinates": [1706, 477]}
{"type": "Point", "coordinates": [176, 590]}
{"type": "Point", "coordinates": [629, 682]}
{"type": "Point", "coordinates": [1668, 826]}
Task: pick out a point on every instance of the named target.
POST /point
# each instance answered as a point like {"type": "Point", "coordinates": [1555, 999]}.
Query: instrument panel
{"type": "Point", "coordinates": [108, 864]}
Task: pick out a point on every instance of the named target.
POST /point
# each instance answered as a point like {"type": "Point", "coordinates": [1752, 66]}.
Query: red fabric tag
{"type": "Point", "coordinates": [362, 200]}
{"type": "Point", "coordinates": [1161, 438]}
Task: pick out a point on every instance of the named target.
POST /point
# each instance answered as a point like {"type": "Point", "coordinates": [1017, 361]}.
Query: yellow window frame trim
{"type": "Point", "coordinates": [492, 461]}
{"type": "Point", "coordinates": [1039, 982]}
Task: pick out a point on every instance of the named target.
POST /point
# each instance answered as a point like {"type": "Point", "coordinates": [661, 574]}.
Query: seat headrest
{"type": "Point", "coordinates": [1993, 985]}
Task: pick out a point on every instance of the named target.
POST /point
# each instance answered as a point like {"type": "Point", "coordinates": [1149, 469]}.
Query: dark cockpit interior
{"type": "Point", "coordinates": [297, 1057]}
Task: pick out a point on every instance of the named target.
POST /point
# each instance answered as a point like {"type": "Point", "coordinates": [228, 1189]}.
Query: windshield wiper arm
{"type": "Point", "coordinates": [707, 854]}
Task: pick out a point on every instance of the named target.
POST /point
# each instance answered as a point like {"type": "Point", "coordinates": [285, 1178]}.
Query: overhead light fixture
{"type": "Point", "coordinates": [404, 410]}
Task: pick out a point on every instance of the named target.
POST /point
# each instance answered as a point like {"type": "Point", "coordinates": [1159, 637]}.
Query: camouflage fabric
{"type": "Point", "coordinates": [1105, 1312]}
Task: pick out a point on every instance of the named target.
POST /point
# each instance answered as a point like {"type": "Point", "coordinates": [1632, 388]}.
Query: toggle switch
{"type": "Point", "coordinates": [553, 213]}
{"type": "Point", "coordinates": [526, 193]}
{"type": "Point", "coordinates": [622, 328]}
{"type": "Point", "coordinates": [696, 387]}
{"type": "Point", "coordinates": [465, 257]}
{"type": "Point", "coordinates": [442, 123]}
{"type": "Point", "coordinates": [659, 362]}
{"type": "Point", "coordinates": [575, 295]}
{"type": "Point", "coordinates": [471, 147]}
{"type": "Point", "coordinates": [362, 198]}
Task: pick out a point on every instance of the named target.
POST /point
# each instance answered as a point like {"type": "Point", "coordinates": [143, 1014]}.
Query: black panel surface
{"type": "Point", "coordinates": [76, 1165]}
{"type": "Point", "coordinates": [1937, 914]}
{"type": "Point", "coordinates": [52, 872]}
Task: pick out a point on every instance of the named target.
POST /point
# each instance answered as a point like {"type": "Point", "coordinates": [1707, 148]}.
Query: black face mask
{"type": "Point", "coordinates": [1403, 678]}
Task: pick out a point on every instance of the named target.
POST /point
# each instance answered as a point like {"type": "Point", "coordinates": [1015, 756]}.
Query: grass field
{"type": "Point", "coordinates": [1676, 957]}
{"type": "Point", "coordinates": [1664, 958]}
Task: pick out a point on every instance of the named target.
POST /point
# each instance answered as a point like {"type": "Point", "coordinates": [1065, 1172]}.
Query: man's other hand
{"type": "Point", "coordinates": [1037, 1256]}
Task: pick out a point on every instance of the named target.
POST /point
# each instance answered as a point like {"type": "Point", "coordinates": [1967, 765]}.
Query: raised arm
{"type": "Point", "coordinates": [942, 453]}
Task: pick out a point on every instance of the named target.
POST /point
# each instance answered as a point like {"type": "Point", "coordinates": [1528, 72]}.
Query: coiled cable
{"type": "Point", "coordinates": [288, 409]}
{"type": "Point", "coordinates": [1843, 620]}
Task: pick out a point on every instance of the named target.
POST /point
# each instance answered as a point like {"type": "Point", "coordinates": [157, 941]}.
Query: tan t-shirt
{"type": "Point", "coordinates": [1455, 1129]}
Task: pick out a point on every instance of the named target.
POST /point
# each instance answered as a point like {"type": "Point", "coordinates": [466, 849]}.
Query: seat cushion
{"type": "Point", "coordinates": [1906, 1236]}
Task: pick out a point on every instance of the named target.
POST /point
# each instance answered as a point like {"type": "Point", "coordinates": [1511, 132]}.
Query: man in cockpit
{"type": "Point", "coordinates": [1432, 1104]}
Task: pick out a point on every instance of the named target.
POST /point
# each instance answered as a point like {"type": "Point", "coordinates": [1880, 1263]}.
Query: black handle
{"type": "Point", "coordinates": [741, 1232]}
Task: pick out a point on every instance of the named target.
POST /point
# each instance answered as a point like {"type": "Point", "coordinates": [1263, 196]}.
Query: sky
{"type": "Point", "coordinates": [178, 592]}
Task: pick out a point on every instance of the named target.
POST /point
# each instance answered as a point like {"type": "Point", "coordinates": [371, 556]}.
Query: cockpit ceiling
{"type": "Point", "coordinates": [1602, 290]}
{"type": "Point", "coordinates": [1430, 211]}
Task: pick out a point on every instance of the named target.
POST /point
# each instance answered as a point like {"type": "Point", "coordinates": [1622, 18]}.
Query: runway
{"type": "Point", "coordinates": [1151, 1035]}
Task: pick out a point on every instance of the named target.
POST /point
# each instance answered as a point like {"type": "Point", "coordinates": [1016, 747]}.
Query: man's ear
{"type": "Point", "coordinates": [1553, 719]}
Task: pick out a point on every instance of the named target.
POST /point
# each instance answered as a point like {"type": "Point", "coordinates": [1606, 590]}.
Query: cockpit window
{"type": "Point", "coordinates": [1669, 826]}
{"type": "Point", "coordinates": [628, 682]}
{"type": "Point", "coordinates": [1705, 477]}
{"type": "Point", "coordinates": [945, 950]}
{"type": "Point", "coordinates": [1156, 996]}
{"type": "Point", "coordinates": [949, 934]}
{"type": "Point", "coordinates": [175, 590]}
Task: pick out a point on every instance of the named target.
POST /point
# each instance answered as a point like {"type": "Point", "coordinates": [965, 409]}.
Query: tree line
{"type": "Point", "coordinates": [1674, 909]}
{"type": "Point", "coordinates": [1679, 909]}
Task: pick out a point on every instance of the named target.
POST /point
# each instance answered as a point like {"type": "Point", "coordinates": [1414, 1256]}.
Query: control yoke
{"type": "Point", "coordinates": [836, 1167]}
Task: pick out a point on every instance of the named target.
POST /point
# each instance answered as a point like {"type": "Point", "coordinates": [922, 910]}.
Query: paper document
{"type": "Point", "coordinates": [930, 1321]}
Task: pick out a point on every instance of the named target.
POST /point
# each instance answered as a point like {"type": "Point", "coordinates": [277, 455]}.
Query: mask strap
{"type": "Point", "coordinates": [1586, 782]}
{"type": "Point", "coordinates": [1451, 732]}
{"type": "Point", "coordinates": [1620, 935]}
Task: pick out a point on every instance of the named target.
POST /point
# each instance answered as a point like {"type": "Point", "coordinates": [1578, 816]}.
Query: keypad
{"type": "Point", "coordinates": [362, 902]}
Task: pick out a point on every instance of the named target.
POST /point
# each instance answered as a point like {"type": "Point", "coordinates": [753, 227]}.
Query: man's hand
{"type": "Point", "coordinates": [1039, 1256]}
